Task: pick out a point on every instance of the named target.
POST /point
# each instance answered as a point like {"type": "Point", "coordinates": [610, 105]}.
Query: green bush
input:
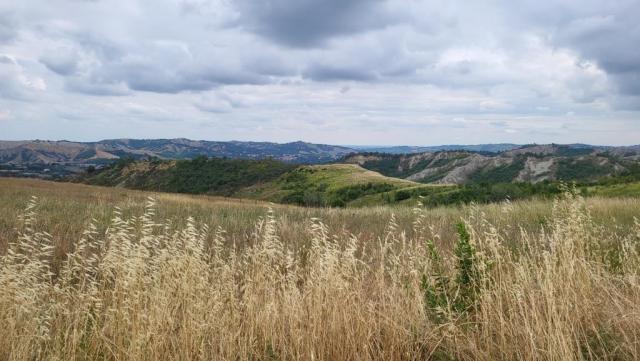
{"type": "Point", "coordinates": [458, 294]}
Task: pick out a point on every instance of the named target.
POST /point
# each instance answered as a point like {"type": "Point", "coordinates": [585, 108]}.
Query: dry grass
{"type": "Point", "coordinates": [521, 281]}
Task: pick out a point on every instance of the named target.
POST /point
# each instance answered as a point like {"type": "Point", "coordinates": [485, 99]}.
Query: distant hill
{"type": "Point", "coordinates": [473, 164]}
{"type": "Point", "coordinates": [453, 177]}
{"type": "Point", "coordinates": [403, 149]}
{"type": "Point", "coordinates": [20, 153]}
{"type": "Point", "coordinates": [268, 179]}
{"type": "Point", "coordinates": [533, 163]}
{"type": "Point", "coordinates": [201, 175]}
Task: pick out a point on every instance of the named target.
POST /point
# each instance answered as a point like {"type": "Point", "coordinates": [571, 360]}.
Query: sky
{"type": "Point", "coordinates": [383, 72]}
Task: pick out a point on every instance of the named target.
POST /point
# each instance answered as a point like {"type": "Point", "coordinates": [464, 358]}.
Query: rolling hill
{"type": "Point", "coordinates": [268, 171]}
{"type": "Point", "coordinates": [270, 180]}
{"type": "Point", "coordinates": [327, 185]}
{"type": "Point", "coordinates": [447, 164]}
{"type": "Point", "coordinates": [104, 151]}
{"type": "Point", "coordinates": [533, 164]}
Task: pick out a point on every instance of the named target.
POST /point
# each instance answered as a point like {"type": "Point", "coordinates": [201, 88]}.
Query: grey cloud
{"type": "Point", "coordinates": [150, 78]}
{"type": "Point", "coordinates": [98, 45]}
{"type": "Point", "coordinates": [627, 103]}
{"type": "Point", "coordinates": [330, 73]}
{"type": "Point", "coordinates": [271, 64]}
{"type": "Point", "coordinates": [379, 56]}
{"type": "Point", "coordinates": [405, 60]}
{"type": "Point", "coordinates": [612, 41]}
{"type": "Point", "coordinates": [214, 106]}
{"type": "Point", "coordinates": [587, 90]}
{"type": "Point", "coordinates": [96, 88]}
{"type": "Point", "coordinates": [604, 32]}
{"type": "Point", "coordinates": [8, 27]}
{"type": "Point", "coordinates": [190, 77]}
{"type": "Point", "coordinates": [4, 59]}
{"type": "Point", "coordinates": [628, 82]}
{"type": "Point", "coordinates": [463, 74]}
{"type": "Point", "coordinates": [500, 124]}
{"type": "Point", "coordinates": [11, 89]}
{"type": "Point", "coordinates": [219, 102]}
{"type": "Point", "coordinates": [309, 23]}
{"type": "Point", "coordinates": [16, 83]}
{"type": "Point", "coordinates": [117, 69]}
{"type": "Point", "coordinates": [61, 62]}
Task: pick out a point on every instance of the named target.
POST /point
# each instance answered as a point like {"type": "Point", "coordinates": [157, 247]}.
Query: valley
{"type": "Point", "coordinates": [369, 179]}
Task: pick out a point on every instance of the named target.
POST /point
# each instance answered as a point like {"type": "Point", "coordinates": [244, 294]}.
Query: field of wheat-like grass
{"type": "Point", "coordinates": [533, 280]}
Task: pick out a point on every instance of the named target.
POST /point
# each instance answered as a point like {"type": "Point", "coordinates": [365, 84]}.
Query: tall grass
{"type": "Point", "coordinates": [145, 289]}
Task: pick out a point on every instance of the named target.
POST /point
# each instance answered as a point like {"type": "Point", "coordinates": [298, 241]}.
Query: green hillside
{"type": "Point", "coordinates": [201, 175]}
{"type": "Point", "coordinates": [341, 185]}
{"type": "Point", "coordinates": [335, 185]}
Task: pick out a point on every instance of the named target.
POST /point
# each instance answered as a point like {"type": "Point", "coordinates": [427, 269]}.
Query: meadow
{"type": "Point", "coordinates": [93, 273]}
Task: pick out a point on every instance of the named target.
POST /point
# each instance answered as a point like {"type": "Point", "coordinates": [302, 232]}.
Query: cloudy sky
{"type": "Point", "coordinates": [417, 72]}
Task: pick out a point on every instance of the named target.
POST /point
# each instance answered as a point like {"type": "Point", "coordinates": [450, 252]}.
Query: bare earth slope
{"type": "Point", "coordinates": [527, 164]}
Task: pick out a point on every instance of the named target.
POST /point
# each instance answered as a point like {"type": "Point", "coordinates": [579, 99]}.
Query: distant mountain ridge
{"type": "Point", "coordinates": [49, 152]}
{"type": "Point", "coordinates": [445, 164]}
{"type": "Point", "coordinates": [70, 152]}
{"type": "Point", "coordinates": [404, 149]}
{"type": "Point", "coordinates": [480, 148]}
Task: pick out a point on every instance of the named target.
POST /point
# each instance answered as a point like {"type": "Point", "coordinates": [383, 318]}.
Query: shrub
{"type": "Point", "coordinates": [457, 294]}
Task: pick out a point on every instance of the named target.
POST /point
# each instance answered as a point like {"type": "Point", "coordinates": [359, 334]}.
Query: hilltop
{"type": "Point", "coordinates": [326, 185]}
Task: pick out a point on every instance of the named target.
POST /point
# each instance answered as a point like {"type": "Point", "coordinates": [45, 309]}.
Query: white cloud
{"type": "Point", "coordinates": [369, 71]}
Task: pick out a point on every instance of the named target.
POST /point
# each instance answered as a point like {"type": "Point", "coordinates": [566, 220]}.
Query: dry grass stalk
{"type": "Point", "coordinates": [143, 290]}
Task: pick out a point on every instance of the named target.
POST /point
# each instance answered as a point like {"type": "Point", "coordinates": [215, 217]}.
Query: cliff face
{"type": "Point", "coordinates": [527, 164]}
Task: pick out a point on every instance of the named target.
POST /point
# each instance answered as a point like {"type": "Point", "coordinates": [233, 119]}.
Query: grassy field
{"type": "Point", "coordinates": [66, 209]}
{"type": "Point", "coordinates": [631, 189]}
{"type": "Point", "coordinates": [209, 278]}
